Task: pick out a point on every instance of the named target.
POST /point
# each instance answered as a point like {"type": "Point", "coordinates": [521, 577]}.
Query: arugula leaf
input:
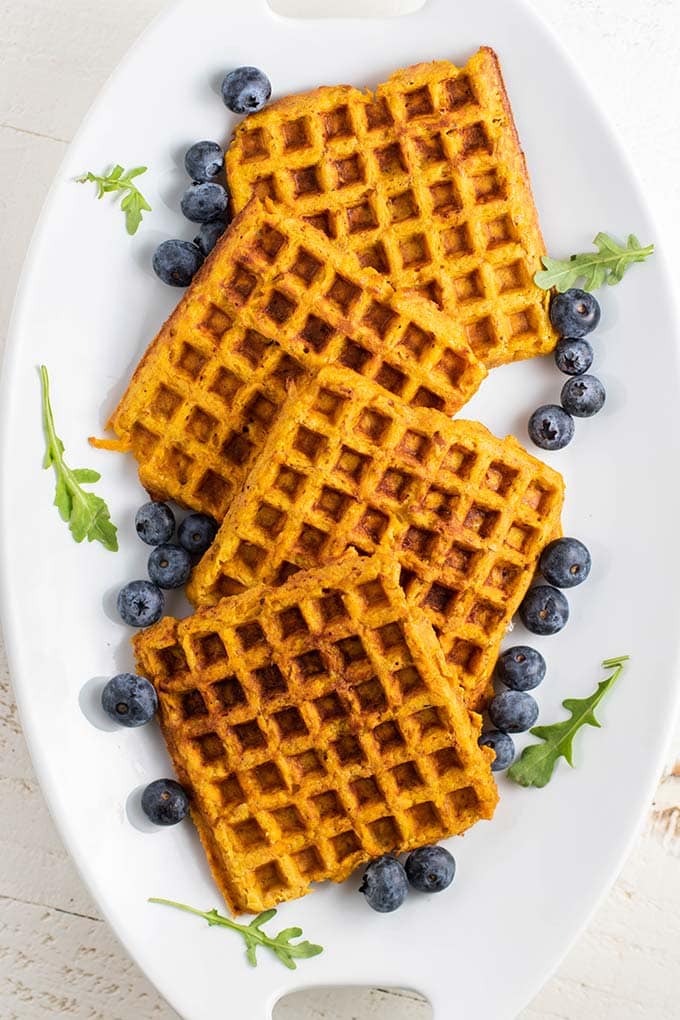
{"type": "Point", "coordinates": [282, 945]}
{"type": "Point", "coordinates": [133, 203]}
{"type": "Point", "coordinates": [87, 515]}
{"type": "Point", "coordinates": [607, 265]}
{"type": "Point", "coordinates": [536, 764]}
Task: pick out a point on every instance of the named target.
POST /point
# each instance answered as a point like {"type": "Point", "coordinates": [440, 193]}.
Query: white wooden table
{"type": "Point", "coordinates": [57, 957]}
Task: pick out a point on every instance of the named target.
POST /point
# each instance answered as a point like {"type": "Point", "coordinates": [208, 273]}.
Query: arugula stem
{"type": "Point", "coordinates": [213, 919]}
{"type": "Point", "coordinates": [634, 254]}
{"type": "Point", "coordinates": [48, 421]}
{"type": "Point", "coordinates": [54, 455]}
{"type": "Point", "coordinates": [614, 663]}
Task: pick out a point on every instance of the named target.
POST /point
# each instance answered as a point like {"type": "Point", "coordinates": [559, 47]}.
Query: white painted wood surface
{"type": "Point", "coordinates": [57, 957]}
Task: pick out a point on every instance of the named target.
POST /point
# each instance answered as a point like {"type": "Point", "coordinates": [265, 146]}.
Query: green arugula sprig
{"type": "Point", "coordinates": [87, 515]}
{"type": "Point", "coordinates": [133, 203]}
{"type": "Point", "coordinates": [536, 764]}
{"type": "Point", "coordinates": [607, 265]}
{"type": "Point", "coordinates": [286, 950]}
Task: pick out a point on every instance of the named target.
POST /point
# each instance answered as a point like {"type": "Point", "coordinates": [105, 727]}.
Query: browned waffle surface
{"type": "Point", "coordinates": [314, 727]}
{"type": "Point", "coordinates": [275, 300]}
{"type": "Point", "coordinates": [425, 180]}
{"type": "Point", "coordinates": [465, 514]}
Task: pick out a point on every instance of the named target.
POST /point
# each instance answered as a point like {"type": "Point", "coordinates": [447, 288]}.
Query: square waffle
{"type": "Point", "coordinates": [314, 727]}
{"type": "Point", "coordinates": [424, 180]}
{"type": "Point", "coordinates": [465, 514]}
{"type": "Point", "coordinates": [274, 301]}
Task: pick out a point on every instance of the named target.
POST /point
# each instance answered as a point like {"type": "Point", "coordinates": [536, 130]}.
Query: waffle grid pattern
{"type": "Point", "coordinates": [425, 181]}
{"type": "Point", "coordinates": [314, 728]}
{"type": "Point", "coordinates": [465, 514]}
{"type": "Point", "coordinates": [276, 300]}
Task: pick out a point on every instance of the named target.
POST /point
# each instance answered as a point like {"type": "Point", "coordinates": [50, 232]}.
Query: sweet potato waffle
{"type": "Point", "coordinates": [424, 180]}
{"type": "Point", "coordinates": [275, 300]}
{"type": "Point", "coordinates": [314, 727]}
{"type": "Point", "coordinates": [465, 514]}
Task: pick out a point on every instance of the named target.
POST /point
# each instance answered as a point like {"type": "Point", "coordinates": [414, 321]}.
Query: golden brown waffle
{"type": "Point", "coordinates": [425, 181]}
{"type": "Point", "coordinates": [314, 728]}
{"type": "Point", "coordinates": [275, 300]}
{"type": "Point", "coordinates": [465, 514]}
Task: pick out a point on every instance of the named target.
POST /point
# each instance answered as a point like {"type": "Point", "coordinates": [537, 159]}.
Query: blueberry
{"type": "Point", "coordinates": [574, 313]}
{"type": "Point", "coordinates": [196, 533]}
{"type": "Point", "coordinates": [565, 562]}
{"type": "Point", "coordinates": [169, 566]}
{"type": "Point", "coordinates": [384, 884]}
{"type": "Point", "coordinates": [573, 356]}
{"type": "Point", "coordinates": [513, 711]}
{"type": "Point", "coordinates": [204, 161]}
{"type": "Point", "coordinates": [430, 868]}
{"type": "Point", "coordinates": [583, 396]}
{"type": "Point", "coordinates": [503, 745]}
{"type": "Point", "coordinates": [209, 235]}
{"type": "Point", "coordinates": [246, 90]}
{"type": "Point", "coordinates": [155, 522]}
{"type": "Point", "coordinates": [164, 802]}
{"type": "Point", "coordinates": [550, 427]}
{"type": "Point", "coordinates": [140, 603]}
{"type": "Point", "coordinates": [545, 610]}
{"type": "Point", "coordinates": [202, 203]}
{"type": "Point", "coordinates": [177, 262]}
{"type": "Point", "coordinates": [129, 700]}
{"type": "Point", "coordinates": [521, 668]}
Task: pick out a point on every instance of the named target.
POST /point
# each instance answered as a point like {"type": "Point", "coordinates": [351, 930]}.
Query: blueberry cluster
{"type": "Point", "coordinates": [206, 200]}
{"type": "Point", "coordinates": [564, 563]}
{"type": "Point", "coordinates": [129, 699]}
{"type": "Point", "coordinates": [386, 880]}
{"type": "Point", "coordinates": [574, 314]}
{"type": "Point", "coordinates": [141, 603]}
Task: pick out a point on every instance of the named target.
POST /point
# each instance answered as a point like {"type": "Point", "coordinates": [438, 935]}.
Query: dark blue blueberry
{"type": "Point", "coordinates": [503, 745]}
{"type": "Point", "coordinates": [550, 427]}
{"type": "Point", "coordinates": [129, 700]}
{"type": "Point", "coordinates": [164, 802]}
{"type": "Point", "coordinates": [565, 562]}
{"type": "Point", "coordinates": [545, 610]}
{"type": "Point", "coordinates": [169, 566]}
{"type": "Point", "coordinates": [430, 868]}
{"type": "Point", "coordinates": [155, 522]}
{"type": "Point", "coordinates": [513, 711]}
{"type": "Point", "coordinates": [246, 90]}
{"type": "Point", "coordinates": [204, 161]}
{"type": "Point", "coordinates": [196, 533]}
{"type": "Point", "coordinates": [521, 668]}
{"type": "Point", "coordinates": [177, 262]}
{"type": "Point", "coordinates": [209, 235]}
{"type": "Point", "coordinates": [384, 884]}
{"type": "Point", "coordinates": [140, 603]}
{"type": "Point", "coordinates": [202, 203]}
{"type": "Point", "coordinates": [574, 313]}
{"type": "Point", "coordinates": [573, 356]}
{"type": "Point", "coordinates": [583, 396]}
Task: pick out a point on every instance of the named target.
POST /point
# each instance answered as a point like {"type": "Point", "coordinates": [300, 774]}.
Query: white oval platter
{"type": "Point", "coordinates": [89, 303]}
